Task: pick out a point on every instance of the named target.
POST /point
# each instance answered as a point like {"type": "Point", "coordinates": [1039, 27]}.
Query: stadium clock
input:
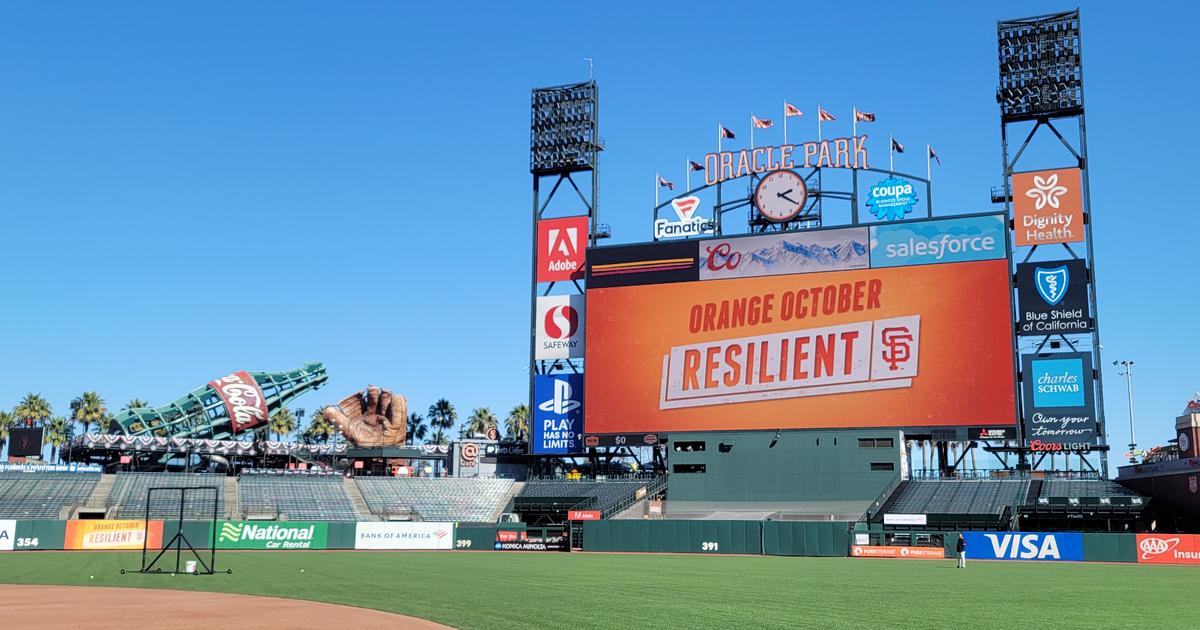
{"type": "Point", "coordinates": [780, 195]}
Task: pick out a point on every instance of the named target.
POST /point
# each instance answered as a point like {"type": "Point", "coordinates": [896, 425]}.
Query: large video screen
{"type": "Point", "coordinates": [836, 328]}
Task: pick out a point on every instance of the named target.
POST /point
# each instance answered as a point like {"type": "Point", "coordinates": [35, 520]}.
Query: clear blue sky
{"type": "Point", "coordinates": [190, 188]}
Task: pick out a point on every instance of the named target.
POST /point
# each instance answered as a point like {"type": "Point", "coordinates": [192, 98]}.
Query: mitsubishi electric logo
{"type": "Point", "coordinates": [688, 224]}
{"type": "Point", "coordinates": [562, 402]}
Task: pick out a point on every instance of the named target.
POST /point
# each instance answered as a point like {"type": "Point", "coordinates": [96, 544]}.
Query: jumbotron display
{"type": "Point", "coordinates": [896, 325]}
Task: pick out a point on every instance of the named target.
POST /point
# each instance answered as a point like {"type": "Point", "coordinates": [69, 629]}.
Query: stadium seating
{"type": "Point", "coordinates": [433, 499]}
{"type": "Point", "coordinates": [128, 495]}
{"type": "Point", "coordinates": [984, 496]}
{"type": "Point", "coordinates": [594, 495]}
{"type": "Point", "coordinates": [43, 495]}
{"type": "Point", "coordinates": [297, 498]}
{"type": "Point", "coordinates": [1078, 488]}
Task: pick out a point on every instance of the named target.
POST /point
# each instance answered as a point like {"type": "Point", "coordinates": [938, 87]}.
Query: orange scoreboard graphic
{"type": "Point", "coordinates": [914, 346]}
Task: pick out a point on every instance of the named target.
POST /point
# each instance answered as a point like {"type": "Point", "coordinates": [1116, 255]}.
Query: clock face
{"type": "Point", "coordinates": [780, 195]}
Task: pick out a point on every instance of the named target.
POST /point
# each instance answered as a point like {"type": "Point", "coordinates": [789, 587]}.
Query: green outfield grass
{"type": "Point", "coordinates": [498, 590]}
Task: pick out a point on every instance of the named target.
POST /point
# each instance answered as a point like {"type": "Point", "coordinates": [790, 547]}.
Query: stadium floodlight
{"type": "Point", "coordinates": [563, 134]}
{"type": "Point", "coordinates": [1041, 72]}
{"type": "Point", "coordinates": [1128, 374]}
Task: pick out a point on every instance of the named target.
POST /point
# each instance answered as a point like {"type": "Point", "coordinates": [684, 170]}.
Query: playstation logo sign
{"type": "Point", "coordinates": [557, 425]}
{"type": "Point", "coordinates": [561, 403]}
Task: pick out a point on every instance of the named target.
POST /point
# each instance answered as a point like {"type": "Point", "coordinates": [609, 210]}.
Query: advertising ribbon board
{"type": "Point", "coordinates": [522, 541]}
{"type": "Point", "coordinates": [261, 535]}
{"type": "Point", "coordinates": [113, 534]}
{"type": "Point", "coordinates": [884, 551]}
{"type": "Point", "coordinates": [403, 535]}
{"type": "Point", "coordinates": [1023, 546]}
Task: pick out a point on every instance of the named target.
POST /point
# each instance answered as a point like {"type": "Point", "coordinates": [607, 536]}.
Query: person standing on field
{"type": "Point", "coordinates": [961, 546]}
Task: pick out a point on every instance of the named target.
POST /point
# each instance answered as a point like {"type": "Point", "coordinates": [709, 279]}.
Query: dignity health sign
{"type": "Point", "coordinates": [861, 347]}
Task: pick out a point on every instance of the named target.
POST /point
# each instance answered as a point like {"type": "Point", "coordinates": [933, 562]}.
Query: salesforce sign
{"type": "Point", "coordinates": [1023, 546]}
{"type": "Point", "coordinates": [891, 199]}
{"type": "Point", "coordinates": [939, 241]}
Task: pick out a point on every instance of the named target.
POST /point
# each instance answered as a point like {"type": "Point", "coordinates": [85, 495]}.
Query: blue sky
{"type": "Point", "coordinates": [188, 189]}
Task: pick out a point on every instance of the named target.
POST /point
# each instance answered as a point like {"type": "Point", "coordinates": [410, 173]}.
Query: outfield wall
{"type": "Point", "coordinates": [774, 538]}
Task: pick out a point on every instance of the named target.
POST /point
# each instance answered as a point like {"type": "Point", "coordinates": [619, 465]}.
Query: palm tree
{"type": "Point", "coordinates": [282, 423]}
{"type": "Point", "coordinates": [442, 417]}
{"type": "Point", "coordinates": [516, 425]}
{"type": "Point", "coordinates": [417, 429]}
{"type": "Point", "coordinates": [33, 408]}
{"type": "Point", "coordinates": [88, 409]}
{"type": "Point", "coordinates": [480, 421]}
{"type": "Point", "coordinates": [58, 432]}
{"type": "Point", "coordinates": [7, 420]}
{"type": "Point", "coordinates": [319, 429]}
{"type": "Point", "coordinates": [136, 403]}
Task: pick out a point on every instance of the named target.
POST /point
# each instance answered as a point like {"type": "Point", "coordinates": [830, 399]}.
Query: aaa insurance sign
{"type": "Point", "coordinates": [1053, 297]}
{"type": "Point", "coordinates": [557, 414]}
{"type": "Point", "coordinates": [559, 324]}
{"type": "Point", "coordinates": [561, 244]}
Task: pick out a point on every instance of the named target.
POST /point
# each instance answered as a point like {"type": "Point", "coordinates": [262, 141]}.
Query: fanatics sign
{"type": "Point", "coordinates": [561, 246]}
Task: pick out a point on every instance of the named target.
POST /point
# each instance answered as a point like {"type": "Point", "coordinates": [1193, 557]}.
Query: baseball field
{"type": "Point", "coordinates": [580, 590]}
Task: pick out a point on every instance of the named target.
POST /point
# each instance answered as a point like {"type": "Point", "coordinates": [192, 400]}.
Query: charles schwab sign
{"type": "Point", "coordinates": [1060, 406]}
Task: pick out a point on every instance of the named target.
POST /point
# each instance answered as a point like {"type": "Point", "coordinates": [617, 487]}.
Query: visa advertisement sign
{"type": "Point", "coordinates": [963, 239]}
{"type": "Point", "coordinates": [557, 414]}
{"type": "Point", "coordinates": [1024, 546]}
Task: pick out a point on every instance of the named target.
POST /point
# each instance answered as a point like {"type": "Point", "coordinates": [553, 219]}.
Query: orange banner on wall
{"type": "Point", "coordinates": [881, 551]}
{"type": "Point", "coordinates": [113, 535]}
{"type": "Point", "coordinates": [1168, 548]}
{"type": "Point", "coordinates": [926, 345]}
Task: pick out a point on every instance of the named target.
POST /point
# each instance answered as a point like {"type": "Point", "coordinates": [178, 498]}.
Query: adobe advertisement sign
{"type": "Point", "coordinates": [1048, 206]}
{"type": "Point", "coordinates": [784, 253]}
{"type": "Point", "coordinates": [1168, 548]}
{"type": "Point", "coordinates": [1023, 546]}
{"type": "Point", "coordinates": [940, 241]}
{"type": "Point", "coordinates": [557, 414]}
{"type": "Point", "coordinates": [243, 400]}
{"type": "Point", "coordinates": [561, 244]}
{"type": "Point", "coordinates": [1052, 297]}
{"type": "Point", "coordinates": [559, 322]}
{"type": "Point", "coordinates": [928, 345]}
{"type": "Point", "coordinates": [1060, 407]}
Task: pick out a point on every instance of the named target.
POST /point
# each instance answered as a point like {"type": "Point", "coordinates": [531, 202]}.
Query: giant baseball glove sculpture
{"type": "Point", "coordinates": [374, 417]}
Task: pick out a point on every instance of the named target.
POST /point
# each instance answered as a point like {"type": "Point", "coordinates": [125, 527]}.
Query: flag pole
{"type": "Point", "coordinates": [928, 168]}
{"type": "Point", "coordinates": [891, 165]}
{"type": "Point", "coordinates": [751, 132]}
{"type": "Point", "coordinates": [785, 117]}
{"type": "Point", "coordinates": [718, 138]}
{"type": "Point", "coordinates": [656, 176]}
{"type": "Point", "coordinates": [687, 172]}
{"type": "Point", "coordinates": [818, 122]}
{"type": "Point", "coordinates": [854, 124]}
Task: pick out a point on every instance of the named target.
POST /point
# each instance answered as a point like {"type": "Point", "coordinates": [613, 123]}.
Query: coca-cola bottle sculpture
{"type": "Point", "coordinates": [223, 408]}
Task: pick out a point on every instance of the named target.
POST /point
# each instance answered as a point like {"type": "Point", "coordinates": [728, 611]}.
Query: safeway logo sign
{"type": "Point", "coordinates": [559, 323]}
{"type": "Point", "coordinates": [561, 247]}
{"type": "Point", "coordinates": [688, 224]}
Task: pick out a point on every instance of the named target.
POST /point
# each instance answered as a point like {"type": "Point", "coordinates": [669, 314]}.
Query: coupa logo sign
{"type": "Point", "coordinates": [559, 322]}
{"type": "Point", "coordinates": [891, 199]}
{"type": "Point", "coordinates": [689, 224]}
{"type": "Point", "coordinates": [1024, 546]}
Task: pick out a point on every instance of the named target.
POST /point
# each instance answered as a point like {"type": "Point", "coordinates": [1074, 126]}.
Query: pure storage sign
{"type": "Point", "coordinates": [906, 346]}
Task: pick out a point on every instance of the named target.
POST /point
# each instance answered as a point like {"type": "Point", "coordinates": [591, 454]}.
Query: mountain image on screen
{"type": "Point", "coordinates": [801, 255]}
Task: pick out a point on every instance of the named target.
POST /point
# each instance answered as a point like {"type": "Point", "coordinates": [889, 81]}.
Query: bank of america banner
{"type": "Point", "coordinates": [404, 536]}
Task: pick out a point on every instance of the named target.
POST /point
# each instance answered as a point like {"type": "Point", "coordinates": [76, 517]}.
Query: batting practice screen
{"type": "Point", "coordinates": [918, 345]}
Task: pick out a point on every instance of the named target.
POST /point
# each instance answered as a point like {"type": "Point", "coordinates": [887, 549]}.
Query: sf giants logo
{"type": "Point", "coordinates": [897, 346]}
{"type": "Point", "coordinates": [723, 257]}
{"type": "Point", "coordinates": [560, 247]}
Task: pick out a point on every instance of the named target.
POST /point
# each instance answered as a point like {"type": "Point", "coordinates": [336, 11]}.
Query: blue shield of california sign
{"type": "Point", "coordinates": [891, 199]}
{"type": "Point", "coordinates": [1052, 283]}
